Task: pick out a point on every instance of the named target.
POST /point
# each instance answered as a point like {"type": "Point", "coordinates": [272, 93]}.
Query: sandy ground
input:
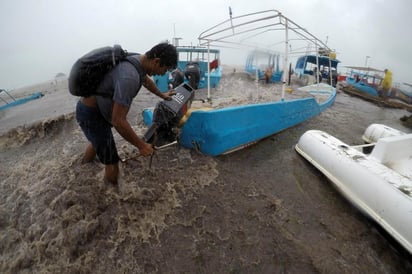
{"type": "Point", "coordinates": [263, 209]}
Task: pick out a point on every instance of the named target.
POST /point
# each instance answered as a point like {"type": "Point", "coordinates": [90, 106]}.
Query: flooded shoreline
{"type": "Point", "coordinates": [262, 209]}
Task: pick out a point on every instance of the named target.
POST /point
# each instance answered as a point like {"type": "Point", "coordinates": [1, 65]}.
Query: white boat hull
{"type": "Point", "coordinates": [374, 132]}
{"type": "Point", "coordinates": [379, 184]}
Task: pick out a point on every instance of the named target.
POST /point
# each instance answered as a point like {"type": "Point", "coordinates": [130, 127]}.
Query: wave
{"type": "Point", "coordinates": [22, 135]}
{"type": "Point", "coordinates": [58, 214]}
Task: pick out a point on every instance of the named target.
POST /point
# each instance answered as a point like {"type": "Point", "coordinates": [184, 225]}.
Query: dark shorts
{"type": "Point", "coordinates": [99, 133]}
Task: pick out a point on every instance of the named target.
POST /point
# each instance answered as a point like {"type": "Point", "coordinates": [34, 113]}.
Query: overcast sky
{"type": "Point", "coordinates": [41, 38]}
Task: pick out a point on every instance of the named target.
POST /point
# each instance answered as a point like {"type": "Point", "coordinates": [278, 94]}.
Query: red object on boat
{"type": "Point", "coordinates": [341, 78]}
{"type": "Point", "coordinates": [214, 64]}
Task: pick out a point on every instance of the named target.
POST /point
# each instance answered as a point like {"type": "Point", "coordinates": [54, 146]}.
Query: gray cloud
{"type": "Point", "coordinates": [42, 38]}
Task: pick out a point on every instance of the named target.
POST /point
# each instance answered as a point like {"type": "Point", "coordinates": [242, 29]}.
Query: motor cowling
{"type": "Point", "coordinates": [192, 73]}
{"type": "Point", "coordinates": [167, 115]}
{"type": "Point", "coordinates": [176, 79]}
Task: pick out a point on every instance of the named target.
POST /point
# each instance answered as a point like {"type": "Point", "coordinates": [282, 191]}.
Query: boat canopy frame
{"type": "Point", "coordinates": [239, 31]}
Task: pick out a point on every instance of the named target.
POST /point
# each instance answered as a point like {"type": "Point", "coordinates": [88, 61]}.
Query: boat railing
{"type": "Point", "coordinates": [3, 91]}
{"type": "Point", "coordinates": [19, 101]}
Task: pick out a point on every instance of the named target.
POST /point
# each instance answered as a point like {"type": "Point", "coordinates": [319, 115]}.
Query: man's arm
{"type": "Point", "coordinates": [122, 126]}
{"type": "Point", "coordinates": [151, 86]}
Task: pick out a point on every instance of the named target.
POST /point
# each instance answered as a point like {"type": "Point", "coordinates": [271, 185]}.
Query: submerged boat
{"type": "Point", "coordinates": [219, 130]}
{"type": "Point", "coordinates": [379, 182]}
{"type": "Point", "coordinates": [206, 60]}
{"type": "Point", "coordinates": [264, 65]}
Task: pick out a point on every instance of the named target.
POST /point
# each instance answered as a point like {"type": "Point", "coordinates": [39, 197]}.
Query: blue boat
{"type": "Point", "coordinates": [365, 80]}
{"type": "Point", "coordinates": [367, 83]}
{"type": "Point", "coordinates": [221, 131]}
{"type": "Point", "coordinates": [208, 61]}
{"type": "Point", "coordinates": [264, 65]}
{"type": "Point", "coordinates": [325, 64]}
{"type": "Point", "coordinates": [216, 131]}
{"type": "Point", "coordinates": [15, 102]}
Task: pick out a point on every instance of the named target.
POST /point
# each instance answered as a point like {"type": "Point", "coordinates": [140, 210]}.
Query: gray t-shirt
{"type": "Point", "coordinates": [124, 82]}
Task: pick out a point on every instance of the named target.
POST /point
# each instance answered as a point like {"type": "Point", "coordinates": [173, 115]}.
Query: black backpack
{"type": "Point", "coordinates": [89, 70]}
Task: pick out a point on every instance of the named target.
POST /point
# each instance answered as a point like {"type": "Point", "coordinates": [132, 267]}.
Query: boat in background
{"type": "Point", "coordinates": [365, 80]}
{"type": "Point", "coordinates": [403, 92]}
{"type": "Point", "coordinates": [264, 65]}
{"type": "Point", "coordinates": [379, 182]}
{"type": "Point", "coordinates": [10, 101]}
{"type": "Point", "coordinates": [223, 129]}
{"type": "Point", "coordinates": [374, 132]}
{"type": "Point", "coordinates": [317, 68]}
{"type": "Point", "coordinates": [366, 83]}
{"type": "Point", "coordinates": [206, 60]}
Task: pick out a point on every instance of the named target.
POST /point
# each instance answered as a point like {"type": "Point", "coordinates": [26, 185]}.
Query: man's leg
{"type": "Point", "coordinates": [385, 94]}
{"type": "Point", "coordinates": [89, 154]}
{"type": "Point", "coordinates": [112, 173]}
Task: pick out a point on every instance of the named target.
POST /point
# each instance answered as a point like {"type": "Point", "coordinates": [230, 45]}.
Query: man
{"type": "Point", "coordinates": [386, 85]}
{"type": "Point", "coordinates": [97, 114]}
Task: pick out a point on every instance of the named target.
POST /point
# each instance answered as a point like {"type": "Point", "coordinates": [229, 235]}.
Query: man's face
{"type": "Point", "coordinates": [159, 69]}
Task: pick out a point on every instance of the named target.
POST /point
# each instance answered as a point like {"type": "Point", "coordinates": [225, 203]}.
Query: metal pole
{"type": "Point", "coordinates": [208, 70]}
{"type": "Point", "coordinates": [285, 62]}
{"type": "Point", "coordinates": [317, 62]}
{"type": "Point", "coordinates": [257, 77]}
{"type": "Point", "coordinates": [366, 60]}
{"type": "Point", "coordinates": [330, 71]}
{"type": "Point", "coordinates": [8, 94]}
{"type": "Point", "coordinates": [156, 148]}
{"type": "Point", "coordinates": [4, 100]}
{"type": "Point", "coordinates": [231, 22]}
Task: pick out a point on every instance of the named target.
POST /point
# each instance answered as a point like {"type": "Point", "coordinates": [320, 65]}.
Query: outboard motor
{"type": "Point", "coordinates": [192, 73]}
{"type": "Point", "coordinates": [167, 115]}
{"type": "Point", "coordinates": [176, 78]}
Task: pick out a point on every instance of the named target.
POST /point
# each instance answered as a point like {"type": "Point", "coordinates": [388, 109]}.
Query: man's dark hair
{"type": "Point", "coordinates": [166, 52]}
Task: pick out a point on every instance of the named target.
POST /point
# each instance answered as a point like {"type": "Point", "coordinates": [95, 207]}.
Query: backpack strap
{"type": "Point", "coordinates": [137, 65]}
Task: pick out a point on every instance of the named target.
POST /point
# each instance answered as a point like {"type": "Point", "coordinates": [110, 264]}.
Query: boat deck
{"type": "Point", "coordinates": [238, 88]}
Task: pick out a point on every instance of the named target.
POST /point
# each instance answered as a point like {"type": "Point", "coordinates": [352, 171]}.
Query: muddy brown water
{"type": "Point", "coordinates": [263, 209]}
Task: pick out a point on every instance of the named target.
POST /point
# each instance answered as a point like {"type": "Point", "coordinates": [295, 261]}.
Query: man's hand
{"type": "Point", "coordinates": [168, 95]}
{"type": "Point", "coordinates": [146, 149]}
